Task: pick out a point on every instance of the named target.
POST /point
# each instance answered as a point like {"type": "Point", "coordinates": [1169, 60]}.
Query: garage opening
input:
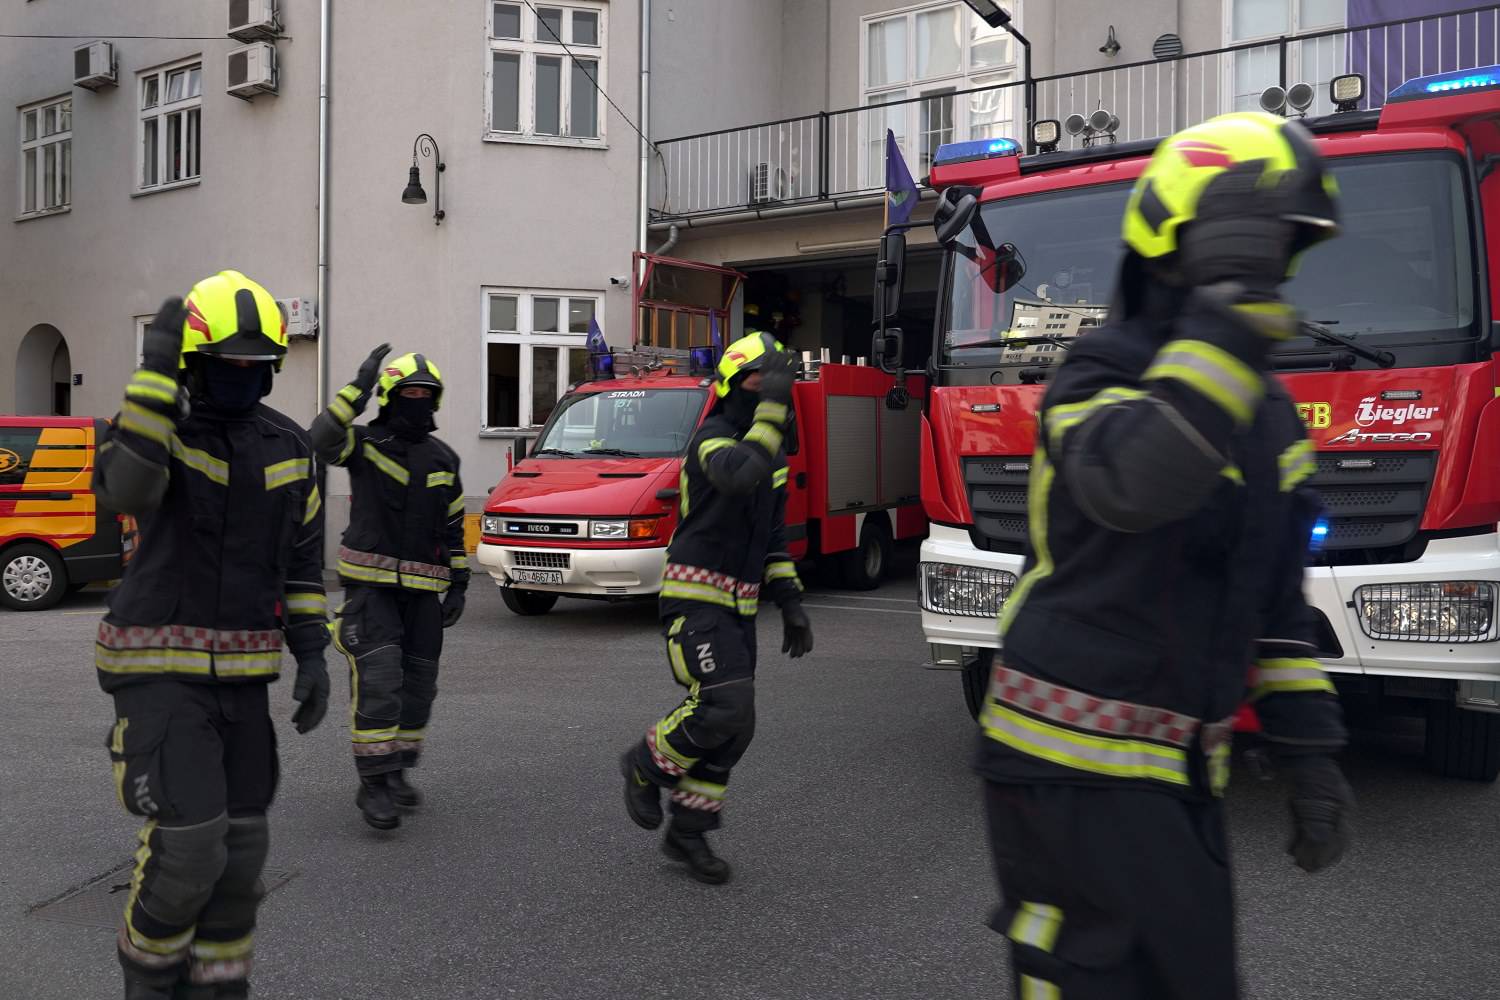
{"type": "Point", "coordinates": [44, 373]}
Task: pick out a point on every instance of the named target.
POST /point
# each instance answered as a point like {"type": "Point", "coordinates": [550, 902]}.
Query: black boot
{"type": "Point", "coordinates": [403, 794]}
{"type": "Point", "coordinates": [142, 989]}
{"type": "Point", "coordinates": [642, 798]}
{"type": "Point", "coordinates": [703, 864]}
{"type": "Point", "coordinates": [374, 801]}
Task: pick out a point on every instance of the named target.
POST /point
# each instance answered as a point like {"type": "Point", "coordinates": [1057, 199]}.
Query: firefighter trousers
{"type": "Point", "coordinates": [1112, 893]}
{"type": "Point", "coordinates": [392, 638]}
{"type": "Point", "coordinates": [693, 749]}
{"type": "Point", "coordinates": [198, 762]}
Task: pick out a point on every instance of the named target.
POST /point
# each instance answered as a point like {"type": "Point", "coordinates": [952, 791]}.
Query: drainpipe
{"type": "Point", "coordinates": [672, 233]}
{"type": "Point", "coordinates": [643, 213]}
{"type": "Point", "coordinates": [325, 48]}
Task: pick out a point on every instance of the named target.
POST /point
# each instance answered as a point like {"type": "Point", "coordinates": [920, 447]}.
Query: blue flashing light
{"type": "Point", "coordinates": [975, 149]}
{"type": "Point", "coordinates": [1319, 534]}
{"type": "Point", "coordinates": [1447, 83]}
{"type": "Point", "coordinates": [701, 360]}
{"type": "Point", "coordinates": [603, 365]}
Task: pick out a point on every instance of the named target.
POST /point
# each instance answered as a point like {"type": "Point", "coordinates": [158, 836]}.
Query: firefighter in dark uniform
{"type": "Point", "coordinates": [230, 565]}
{"type": "Point", "coordinates": [728, 549]}
{"type": "Point", "coordinates": [1170, 526]}
{"type": "Point", "coordinates": [403, 565]}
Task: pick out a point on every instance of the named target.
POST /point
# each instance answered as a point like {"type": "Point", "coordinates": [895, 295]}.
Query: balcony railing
{"type": "Point", "coordinates": [835, 155]}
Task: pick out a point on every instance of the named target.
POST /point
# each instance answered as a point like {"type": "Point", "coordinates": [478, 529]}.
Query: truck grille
{"type": "Point", "coordinates": [1374, 499]}
{"type": "Point", "coordinates": [997, 497]}
{"type": "Point", "coordinates": [539, 560]}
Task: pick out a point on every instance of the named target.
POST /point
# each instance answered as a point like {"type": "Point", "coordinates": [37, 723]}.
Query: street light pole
{"type": "Point", "coordinates": [998, 17]}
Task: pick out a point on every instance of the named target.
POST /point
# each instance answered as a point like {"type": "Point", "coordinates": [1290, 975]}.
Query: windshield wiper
{"type": "Point", "coordinates": [616, 452]}
{"type": "Point", "coordinates": [1317, 331]}
{"type": "Point", "coordinates": [553, 451]}
{"type": "Point", "coordinates": [1041, 338]}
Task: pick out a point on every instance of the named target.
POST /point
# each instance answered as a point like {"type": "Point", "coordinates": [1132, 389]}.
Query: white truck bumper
{"type": "Point", "coordinates": [961, 587]}
{"type": "Point", "coordinates": [583, 572]}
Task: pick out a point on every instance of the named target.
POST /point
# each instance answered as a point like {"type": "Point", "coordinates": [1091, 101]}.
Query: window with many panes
{"type": "Point", "coordinates": [47, 156]}
{"type": "Point", "coordinates": [534, 348]}
{"type": "Point", "coordinates": [913, 64]}
{"type": "Point", "coordinates": [545, 72]}
{"type": "Point", "coordinates": [170, 139]}
{"type": "Point", "coordinates": [1314, 61]}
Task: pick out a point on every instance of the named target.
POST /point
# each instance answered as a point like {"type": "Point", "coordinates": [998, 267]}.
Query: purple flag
{"type": "Point", "coordinates": [900, 190]}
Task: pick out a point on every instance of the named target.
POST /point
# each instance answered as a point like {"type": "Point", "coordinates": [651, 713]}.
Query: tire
{"type": "Point", "coordinates": [32, 578]}
{"type": "Point", "coordinates": [1462, 743]}
{"type": "Point", "coordinates": [864, 566]}
{"type": "Point", "coordinates": [976, 677]}
{"type": "Point", "coordinates": [527, 602]}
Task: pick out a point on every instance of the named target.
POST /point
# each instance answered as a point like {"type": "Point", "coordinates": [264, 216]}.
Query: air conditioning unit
{"type": "Point", "coordinates": [94, 66]}
{"type": "Point", "coordinates": [254, 20]}
{"type": "Point", "coordinates": [251, 70]}
{"type": "Point", "coordinates": [767, 183]}
{"type": "Point", "coordinates": [301, 317]}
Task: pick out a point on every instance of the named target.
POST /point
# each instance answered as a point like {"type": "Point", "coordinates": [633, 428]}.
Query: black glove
{"type": "Point", "coordinates": [776, 378]}
{"type": "Point", "coordinates": [369, 369]}
{"type": "Point", "coordinates": [796, 630]}
{"type": "Point", "coordinates": [161, 345]}
{"type": "Point", "coordinates": [1321, 802]}
{"type": "Point", "coordinates": [453, 606]}
{"type": "Point", "coordinates": [311, 691]}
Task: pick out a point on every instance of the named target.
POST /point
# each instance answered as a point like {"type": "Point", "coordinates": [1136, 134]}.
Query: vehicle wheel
{"type": "Point", "coordinates": [1462, 743]}
{"type": "Point", "coordinates": [32, 578]}
{"type": "Point", "coordinates": [976, 677]}
{"type": "Point", "coordinates": [527, 602]}
{"type": "Point", "coordinates": [864, 566]}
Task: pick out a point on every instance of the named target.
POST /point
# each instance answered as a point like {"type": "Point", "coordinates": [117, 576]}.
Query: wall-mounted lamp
{"type": "Point", "coordinates": [414, 195]}
{"type": "Point", "coordinates": [1111, 44]}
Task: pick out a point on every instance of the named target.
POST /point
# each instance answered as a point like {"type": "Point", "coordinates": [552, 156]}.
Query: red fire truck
{"type": "Point", "coordinates": [590, 511]}
{"type": "Point", "coordinates": [1395, 375]}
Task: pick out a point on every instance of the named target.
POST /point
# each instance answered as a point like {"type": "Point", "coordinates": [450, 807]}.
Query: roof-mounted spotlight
{"type": "Point", "coordinates": [1346, 91]}
{"type": "Point", "coordinates": [1299, 97]}
{"type": "Point", "coordinates": [1273, 99]}
{"type": "Point", "coordinates": [1046, 134]}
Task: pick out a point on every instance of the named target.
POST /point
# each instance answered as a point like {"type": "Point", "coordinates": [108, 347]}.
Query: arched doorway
{"type": "Point", "coordinates": [44, 373]}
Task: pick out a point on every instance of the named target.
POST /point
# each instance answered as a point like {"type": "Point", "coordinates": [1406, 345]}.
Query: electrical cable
{"type": "Point", "coordinates": [107, 37]}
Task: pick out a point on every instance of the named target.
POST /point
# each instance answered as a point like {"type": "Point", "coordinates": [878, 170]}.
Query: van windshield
{"type": "Point", "coordinates": [624, 423]}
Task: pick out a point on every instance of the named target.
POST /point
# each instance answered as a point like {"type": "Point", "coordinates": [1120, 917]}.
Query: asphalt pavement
{"type": "Point", "coordinates": [854, 828]}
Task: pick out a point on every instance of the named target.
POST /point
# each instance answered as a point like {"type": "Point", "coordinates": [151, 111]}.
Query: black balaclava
{"type": "Point", "coordinates": [409, 419]}
{"type": "Point", "coordinates": [226, 389]}
{"type": "Point", "coordinates": [739, 405]}
{"type": "Point", "coordinates": [1146, 289]}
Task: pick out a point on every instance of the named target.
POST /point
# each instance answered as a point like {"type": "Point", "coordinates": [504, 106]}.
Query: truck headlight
{"type": "Point", "coordinates": [489, 524]}
{"type": "Point", "coordinates": [974, 591]}
{"type": "Point", "coordinates": [609, 529]}
{"type": "Point", "coordinates": [1446, 611]}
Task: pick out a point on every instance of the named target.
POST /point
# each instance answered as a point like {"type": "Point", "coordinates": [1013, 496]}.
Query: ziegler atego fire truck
{"type": "Point", "coordinates": [1395, 376]}
{"type": "Point", "coordinates": [590, 511]}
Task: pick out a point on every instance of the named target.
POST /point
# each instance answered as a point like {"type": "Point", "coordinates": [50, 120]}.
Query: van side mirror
{"type": "Point", "coordinates": [890, 274]}
{"type": "Point", "coordinates": [888, 350]}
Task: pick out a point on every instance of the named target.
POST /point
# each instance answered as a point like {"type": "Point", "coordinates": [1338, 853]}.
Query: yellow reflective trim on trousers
{"type": "Point", "coordinates": [1281, 676]}
{"type": "Point", "coordinates": [1063, 418]}
{"type": "Point", "coordinates": [1033, 988]}
{"type": "Point", "coordinates": [283, 473]}
{"type": "Point", "coordinates": [679, 662]}
{"type": "Point", "coordinates": [778, 478]}
{"type": "Point", "coordinates": [439, 479]}
{"type": "Point", "coordinates": [710, 445]}
{"type": "Point", "coordinates": [1036, 925]}
{"type": "Point", "coordinates": [166, 947]}
{"type": "Point", "coordinates": [412, 735]}
{"type": "Point", "coordinates": [366, 574]}
{"type": "Point", "coordinates": [456, 507]}
{"type": "Point", "coordinates": [117, 745]}
{"type": "Point", "coordinates": [306, 603]}
{"type": "Point", "coordinates": [1212, 372]}
{"type": "Point", "coordinates": [147, 423]}
{"type": "Point", "coordinates": [707, 789]}
{"type": "Point", "coordinates": [1038, 487]}
{"type": "Point", "coordinates": [216, 469]}
{"type": "Point", "coordinates": [382, 735]}
{"type": "Point", "coordinates": [682, 492]}
{"type": "Point", "coordinates": [697, 592]}
{"type": "Point", "coordinates": [768, 436]}
{"type": "Point", "coordinates": [387, 464]}
{"type": "Point", "coordinates": [670, 723]}
{"type": "Point", "coordinates": [314, 504]}
{"type": "Point", "coordinates": [1298, 464]}
{"type": "Point", "coordinates": [223, 951]}
{"type": "Point", "coordinates": [153, 661]}
{"type": "Point", "coordinates": [1119, 758]}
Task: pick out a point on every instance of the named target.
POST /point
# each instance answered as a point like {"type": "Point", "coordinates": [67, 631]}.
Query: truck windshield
{"type": "Point", "coordinates": [1401, 272]}
{"type": "Point", "coordinates": [622, 423]}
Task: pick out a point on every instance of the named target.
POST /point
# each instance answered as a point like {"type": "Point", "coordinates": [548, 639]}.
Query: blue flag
{"type": "Point", "coordinates": [596, 338]}
{"type": "Point", "coordinates": [900, 190]}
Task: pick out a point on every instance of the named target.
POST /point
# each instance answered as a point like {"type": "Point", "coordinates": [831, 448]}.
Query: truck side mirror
{"type": "Point", "coordinates": [890, 274]}
{"type": "Point", "coordinates": [953, 217]}
{"type": "Point", "coordinates": [888, 350]}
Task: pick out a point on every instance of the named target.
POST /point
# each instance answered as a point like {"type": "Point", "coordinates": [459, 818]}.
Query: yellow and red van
{"type": "Point", "coordinates": [54, 537]}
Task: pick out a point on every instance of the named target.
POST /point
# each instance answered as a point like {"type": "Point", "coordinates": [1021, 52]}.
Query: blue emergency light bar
{"type": "Point", "coordinates": [975, 149]}
{"type": "Point", "coordinates": [1481, 78]}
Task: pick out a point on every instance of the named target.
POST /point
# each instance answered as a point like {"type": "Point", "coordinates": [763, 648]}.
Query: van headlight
{"type": "Point", "coordinates": [1445, 611]}
{"type": "Point", "coordinates": [972, 591]}
{"type": "Point", "coordinates": [489, 524]}
{"type": "Point", "coordinates": [609, 529]}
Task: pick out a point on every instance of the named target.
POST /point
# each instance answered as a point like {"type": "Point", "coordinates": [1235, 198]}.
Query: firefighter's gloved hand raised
{"type": "Point", "coordinates": [796, 630]}
{"type": "Point", "coordinates": [161, 345]}
{"type": "Point", "coordinates": [1321, 802]}
{"type": "Point", "coordinates": [453, 606]}
{"type": "Point", "coordinates": [369, 369]}
{"type": "Point", "coordinates": [776, 378]}
{"type": "Point", "coordinates": [311, 692]}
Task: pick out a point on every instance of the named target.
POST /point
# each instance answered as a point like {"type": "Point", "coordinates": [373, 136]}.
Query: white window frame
{"type": "Point", "coordinates": [528, 47]}
{"type": "Point", "coordinates": [527, 339]}
{"type": "Point", "coordinates": [141, 325]}
{"type": "Point", "coordinates": [160, 113]}
{"type": "Point", "coordinates": [1298, 56]}
{"type": "Point", "coordinates": [911, 87]}
{"type": "Point", "coordinates": [40, 146]}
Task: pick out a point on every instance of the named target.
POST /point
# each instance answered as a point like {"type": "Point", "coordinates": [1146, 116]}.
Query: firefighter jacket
{"type": "Point", "coordinates": [230, 558]}
{"type": "Point", "coordinates": [406, 518]}
{"type": "Point", "coordinates": [730, 541]}
{"type": "Point", "coordinates": [1170, 526]}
